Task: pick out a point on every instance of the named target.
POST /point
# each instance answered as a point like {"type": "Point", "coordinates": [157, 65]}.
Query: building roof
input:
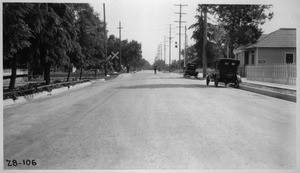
{"type": "Point", "coordinates": [284, 37]}
{"type": "Point", "coordinates": [244, 47]}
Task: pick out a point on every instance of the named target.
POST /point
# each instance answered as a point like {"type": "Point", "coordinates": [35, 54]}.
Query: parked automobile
{"type": "Point", "coordinates": [190, 70]}
{"type": "Point", "coordinates": [225, 70]}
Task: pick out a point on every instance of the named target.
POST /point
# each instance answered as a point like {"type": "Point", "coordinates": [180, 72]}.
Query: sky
{"type": "Point", "coordinates": [148, 21]}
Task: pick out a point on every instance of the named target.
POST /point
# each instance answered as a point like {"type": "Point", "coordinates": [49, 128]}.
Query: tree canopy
{"type": "Point", "coordinates": [235, 25]}
{"type": "Point", "coordinates": [54, 35]}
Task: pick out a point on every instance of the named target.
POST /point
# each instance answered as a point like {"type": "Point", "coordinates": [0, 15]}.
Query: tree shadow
{"type": "Point", "coordinates": [157, 86]}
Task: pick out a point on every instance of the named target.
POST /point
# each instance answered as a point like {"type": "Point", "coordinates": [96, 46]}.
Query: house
{"type": "Point", "coordinates": [278, 47]}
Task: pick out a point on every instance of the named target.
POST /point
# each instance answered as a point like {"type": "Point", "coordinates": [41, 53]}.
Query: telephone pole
{"type": "Point", "coordinates": [170, 48]}
{"type": "Point", "coordinates": [120, 28]}
{"type": "Point", "coordinates": [165, 49]}
{"type": "Point", "coordinates": [105, 43]}
{"type": "Point", "coordinates": [204, 42]}
{"type": "Point", "coordinates": [180, 15]}
{"type": "Point", "coordinates": [185, 42]}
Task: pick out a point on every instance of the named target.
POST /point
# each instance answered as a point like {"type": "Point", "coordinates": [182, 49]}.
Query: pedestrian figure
{"type": "Point", "coordinates": [127, 67]}
{"type": "Point", "coordinates": [155, 68]}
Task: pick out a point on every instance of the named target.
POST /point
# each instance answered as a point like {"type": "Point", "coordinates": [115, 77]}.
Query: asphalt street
{"type": "Point", "coordinates": [147, 121]}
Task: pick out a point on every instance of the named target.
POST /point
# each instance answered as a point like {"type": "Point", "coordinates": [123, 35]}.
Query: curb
{"type": "Point", "coordinates": [280, 93]}
{"type": "Point", "coordinates": [43, 94]}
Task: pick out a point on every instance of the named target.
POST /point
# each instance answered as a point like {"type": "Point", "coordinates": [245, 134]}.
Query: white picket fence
{"type": "Point", "coordinates": [279, 73]}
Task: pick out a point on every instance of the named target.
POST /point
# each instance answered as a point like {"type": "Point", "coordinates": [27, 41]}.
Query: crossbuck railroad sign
{"type": "Point", "coordinates": [114, 56]}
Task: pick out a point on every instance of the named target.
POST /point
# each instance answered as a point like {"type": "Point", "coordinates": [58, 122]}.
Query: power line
{"type": "Point", "coordinates": [165, 49]}
{"type": "Point", "coordinates": [120, 28]}
{"type": "Point", "coordinates": [170, 48]}
{"type": "Point", "coordinates": [180, 15]}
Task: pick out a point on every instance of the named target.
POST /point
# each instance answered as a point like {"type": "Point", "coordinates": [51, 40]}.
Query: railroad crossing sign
{"type": "Point", "coordinates": [114, 55]}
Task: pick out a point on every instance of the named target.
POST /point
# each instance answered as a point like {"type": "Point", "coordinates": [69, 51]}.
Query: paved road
{"type": "Point", "coordinates": [147, 121]}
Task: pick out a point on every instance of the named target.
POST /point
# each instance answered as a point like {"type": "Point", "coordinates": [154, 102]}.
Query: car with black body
{"type": "Point", "coordinates": [225, 70]}
{"type": "Point", "coordinates": [190, 70]}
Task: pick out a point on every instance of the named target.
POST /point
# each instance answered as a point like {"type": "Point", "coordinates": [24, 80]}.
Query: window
{"type": "Point", "coordinates": [289, 58]}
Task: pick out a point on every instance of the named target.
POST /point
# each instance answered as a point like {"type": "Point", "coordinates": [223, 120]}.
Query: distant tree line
{"type": "Point", "coordinates": [43, 36]}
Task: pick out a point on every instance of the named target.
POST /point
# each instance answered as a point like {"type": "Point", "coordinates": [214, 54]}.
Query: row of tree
{"type": "Point", "coordinates": [43, 36]}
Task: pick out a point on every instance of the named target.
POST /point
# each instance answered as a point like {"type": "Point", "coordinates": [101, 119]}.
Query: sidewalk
{"type": "Point", "coordinates": [285, 92]}
{"type": "Point", "coordinates": [268, 84]}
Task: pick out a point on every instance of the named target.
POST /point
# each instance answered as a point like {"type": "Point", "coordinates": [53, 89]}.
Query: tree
{"type": "Point", "coordinates": [91, 37]}
{"type": "Point", "coordinates": [131, 53]}
{"type": "Point", "coordinates": [53, 39]}
{"type": "Point", "coordinates": [144, 64]}
{"type": "Point", "coordinates": [16, 34]}
{"type": "Point", "coordinates": [215, 41]}
{"type": "Point", "coordinates": [51, 35]}
{"type": "Point", "coordinates": [160, 64]}
{"type": "Point", "coordinates": [240, 22]}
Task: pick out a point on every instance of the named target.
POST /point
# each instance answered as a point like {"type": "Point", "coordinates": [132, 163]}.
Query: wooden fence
{"type": "Point", "coordinates": [280, 73]}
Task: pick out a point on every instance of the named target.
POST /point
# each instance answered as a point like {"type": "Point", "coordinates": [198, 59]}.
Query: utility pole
{"type": "Point", "coordinates": [180, 15]}
{"type": "Point", "coordinates": [185, 39]}
{"type": "Point", "coordinates": [170, 48]}
{"type": "Point", "coordinates": [204, 42]}
{"type": "Point", "coordinates": [161, 51]}
{"type": "Point", "coordinates": [120, 28]}
{"type": "Point", "coordinates": [105, 43]}
{"type": "Point", "coordinates": [165, 50]}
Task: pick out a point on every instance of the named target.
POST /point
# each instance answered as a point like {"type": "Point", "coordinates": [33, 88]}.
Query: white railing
{"type": "Point", "coordinates": [278, 73]}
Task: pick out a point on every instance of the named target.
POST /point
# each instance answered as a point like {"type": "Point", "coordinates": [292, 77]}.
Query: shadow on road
{"type": "Point", "coordinates": [155, 86]}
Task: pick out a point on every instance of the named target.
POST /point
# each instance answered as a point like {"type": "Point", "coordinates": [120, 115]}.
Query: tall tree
{"type": "Point", "coordinates": [131, 53]}
{"type": "Point", "coordinates": [215, 40]}
{"type": "Point", "coordinates": [53, 35]}
{"type": "Point", "coordinates": [91, 36]}
{"type": "Point", "coordinates": [16, 34]}
{"type": "Point", "coordinates": [240, 22]}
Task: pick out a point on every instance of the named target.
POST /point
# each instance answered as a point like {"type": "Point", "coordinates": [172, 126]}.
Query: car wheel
{"type": "Point", "coordinates": [207, 80]}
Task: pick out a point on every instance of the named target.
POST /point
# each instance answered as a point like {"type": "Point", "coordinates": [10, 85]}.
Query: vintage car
{"type": "Point", "coordinates": [190, 70]}
{"type": "Point", "coordinates": [225, 70]}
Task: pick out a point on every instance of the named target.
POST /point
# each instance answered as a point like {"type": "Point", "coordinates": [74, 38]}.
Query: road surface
{"type": "Point", "coordinates": [147, 121]}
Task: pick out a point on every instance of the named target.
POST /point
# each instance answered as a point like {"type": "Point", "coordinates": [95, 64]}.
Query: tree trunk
{"type": "Point", "coordinates": [13, 74]}
{"type": "Point", "coordinates": [80, 76]}
{"type": "Point", "coordinates": [95, 73]}
{"type": "Point", "coordinates": [204, 43]}
{"type": "Point", "coordinates": [47, 72]}
{"type": "Point", "coordinates": [69, 72]}
{"type": "Point", "coordinates": [231, 56]}
{"type": "Point", "coordinates": [105, 69]}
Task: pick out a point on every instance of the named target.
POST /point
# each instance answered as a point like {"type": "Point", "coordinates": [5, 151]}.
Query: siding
{"type": "Point", "coordinates": [274, 55]}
